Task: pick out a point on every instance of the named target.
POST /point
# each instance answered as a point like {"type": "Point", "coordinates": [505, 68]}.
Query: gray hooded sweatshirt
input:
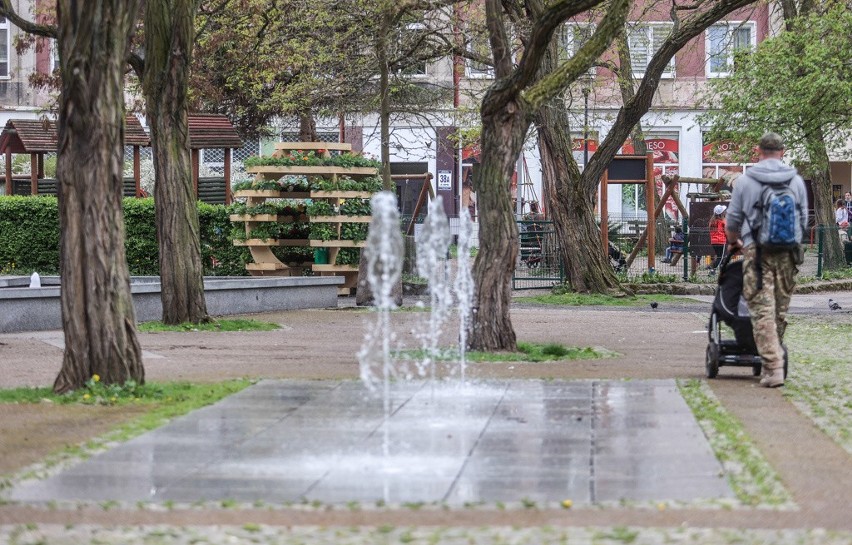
{"type": "Point", "coordinates": [748, 188]}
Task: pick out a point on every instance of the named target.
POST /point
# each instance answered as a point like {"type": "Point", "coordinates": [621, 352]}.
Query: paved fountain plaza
{"type": "Point", "coordinates": [507, 441]}
{"type": "Point", "coordinates": [399, 441]}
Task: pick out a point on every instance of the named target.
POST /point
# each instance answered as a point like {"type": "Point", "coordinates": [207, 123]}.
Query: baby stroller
{"type": "Point", "coordinates": [729, 307]}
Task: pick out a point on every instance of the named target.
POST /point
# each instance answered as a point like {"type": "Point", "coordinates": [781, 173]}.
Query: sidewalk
{"type": "Point", "coordinates": [815, 470]}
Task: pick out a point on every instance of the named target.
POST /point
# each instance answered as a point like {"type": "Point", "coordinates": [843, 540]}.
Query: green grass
{"type": "Point", "coordinates": [584, 299]}
{"type": "Point", "coordinates": [749, 474]}
{"type": "Point", "coordinates": [212, 325]}
{"type": "Point", "coordinates": [168, 394]}
{"type": "Point", "coordinates": [527, 352]}
{"type": "Point", "coordinates": [163, 403]}
{"type": "Point", "coordinates": [820, 375]}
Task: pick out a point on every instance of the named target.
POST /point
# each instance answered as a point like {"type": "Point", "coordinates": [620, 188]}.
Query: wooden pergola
{"type": "Point", "coordinates": [212, 131]}
{"type": "Point", "coordinates": [37, 137]}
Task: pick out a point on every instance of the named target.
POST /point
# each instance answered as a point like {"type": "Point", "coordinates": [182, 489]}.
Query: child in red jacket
{"type": "Point", "coordinates": [717, 234]}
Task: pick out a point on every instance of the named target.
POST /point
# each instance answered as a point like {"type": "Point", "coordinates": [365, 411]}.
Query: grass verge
{"type": "Point", "coordinates": [527, 352]}
{"type": "Point", "coordinates": [586, 299]}
{"type": "Point", "coordinates": [162, 402]}
{"type": "Point", "coordinates": [212, 325]}
{"type": "Point", "coordinates": [820, 381]}
{"type": "Point", "coordinates": [749, 474]}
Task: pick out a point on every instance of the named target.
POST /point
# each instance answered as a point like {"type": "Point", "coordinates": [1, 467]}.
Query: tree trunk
{"type": "Point", "coordinates": [98, 318]}
{"type": "Point", "coordinates": [820, 175]}
{"type": "Point", "coordinates": [625, 85]}
{"type": "Point", "coordinates": [587, 267]}
{"type": "Point", "coordinates": [307, 127]}
{"type": "Point", "coordinates": [384, 101]}
{"type": "Point", "coordinates": [503, 131]}
{"type": "Point", "coordinates": [169, 35]}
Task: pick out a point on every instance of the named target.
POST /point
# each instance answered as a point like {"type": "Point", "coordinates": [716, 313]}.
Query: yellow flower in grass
{"type": "Point", "coordinates": [96, 378]}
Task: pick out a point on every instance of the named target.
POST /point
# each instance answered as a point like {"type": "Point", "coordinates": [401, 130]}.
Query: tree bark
{"type": "Point", "coordinates": [169, 35]}
{"type": "Point", "coordinates": [98, 317]}
{"type": "Point", "coordinates": [503, 132]}
{"type": "Point", "coordinates": [820, 174]}
{"type": "Point", "coordinates": [384, 99]}
{"type": "Point", "coordinates": [587, 267]}
{"type": "Point", "coordinates": [307, 127]}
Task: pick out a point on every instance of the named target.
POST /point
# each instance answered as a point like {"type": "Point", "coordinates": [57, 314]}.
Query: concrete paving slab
{"type": "Point", "coordinates": [500, 440]}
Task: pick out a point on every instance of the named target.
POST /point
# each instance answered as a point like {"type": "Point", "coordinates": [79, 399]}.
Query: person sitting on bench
{"type": "Point", "coordinates": [675, 249]}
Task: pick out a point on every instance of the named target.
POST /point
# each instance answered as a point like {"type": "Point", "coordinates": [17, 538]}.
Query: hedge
{"type": "Point", "coordinates": [29, 237]}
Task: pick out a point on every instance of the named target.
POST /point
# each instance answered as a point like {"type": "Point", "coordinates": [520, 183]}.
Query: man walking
{"type": "Point", "coordinates": [769, 269]}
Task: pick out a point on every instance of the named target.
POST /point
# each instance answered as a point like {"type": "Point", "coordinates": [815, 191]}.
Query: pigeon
{"type": "Point", "coordinates": [654, 305]}
{"type": "Point", "coordinates": [833, 306]}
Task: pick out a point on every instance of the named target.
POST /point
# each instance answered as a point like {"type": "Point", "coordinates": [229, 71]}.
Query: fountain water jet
{"type": "Point", "coordinates": [432, 249]}
{"type": "Point", "coordinates": [384, 267]}
{"type": "Point", "coordinates": [464, 286]}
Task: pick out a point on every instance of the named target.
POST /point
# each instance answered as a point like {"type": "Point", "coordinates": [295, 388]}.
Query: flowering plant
{"type": "Point", "coordinates": [97, 393]}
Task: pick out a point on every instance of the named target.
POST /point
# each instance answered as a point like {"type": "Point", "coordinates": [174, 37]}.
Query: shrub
{"type": "Point", "coordinates": [29, 234]}
{"type": "Point", "coordinates": [29, 237]}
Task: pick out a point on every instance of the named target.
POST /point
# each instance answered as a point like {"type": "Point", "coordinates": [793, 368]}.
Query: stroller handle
{"type": "Point", "coordinates": [726, 259]}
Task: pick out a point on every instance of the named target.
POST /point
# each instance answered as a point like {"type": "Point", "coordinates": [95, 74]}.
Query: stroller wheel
{"type": "Point", "coordinates": [785, 360]}
{"type": "Point", "coordinates": [756, 369]}
{"type": "Point", "coordinates": [711, 361]}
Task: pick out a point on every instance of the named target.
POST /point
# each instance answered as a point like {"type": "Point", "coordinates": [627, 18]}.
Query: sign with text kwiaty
{"type": "Point", "coordinates": [445, 179]}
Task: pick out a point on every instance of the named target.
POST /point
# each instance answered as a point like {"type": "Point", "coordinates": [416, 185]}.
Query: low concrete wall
{"type": "Point", "coordinates": [33, 309]}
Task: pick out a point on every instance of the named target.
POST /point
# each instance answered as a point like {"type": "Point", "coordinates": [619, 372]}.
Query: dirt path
{"type": "Point", "coordinates": [318, 344]}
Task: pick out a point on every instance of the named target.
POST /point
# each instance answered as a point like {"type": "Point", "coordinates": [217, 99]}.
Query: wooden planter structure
{"type": "Point", "coordinates": [265, 262]}
{"type": "Point", "coordinates": [38, 136]}
{"type": "Point", "coordinates": [212, 131]}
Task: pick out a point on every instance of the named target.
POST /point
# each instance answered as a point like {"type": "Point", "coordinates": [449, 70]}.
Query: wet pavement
{"type": "Point", "coordinates": [497, 441]}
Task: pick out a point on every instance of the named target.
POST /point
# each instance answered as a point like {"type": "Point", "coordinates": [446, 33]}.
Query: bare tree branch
{"type": "Point", "coordinates": [551, 84]}
{"type": "Point", "coordinates": [46, 31]}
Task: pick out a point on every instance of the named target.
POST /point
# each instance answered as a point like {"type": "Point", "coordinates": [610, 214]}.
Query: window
{"type": "Point", "coordinates": [479, 45]}
{"type": "Point", "coordinates": [572, 36]}
{"type": "Point", "coordinates": [644, 39]}
{"type": "Point", "coordinates": [4, 48]}
{"type": "Point", "coordinates": [54, 56]}
{"type": "Point", "coordinates": [722, 41]}
{"type": "Point", "coordinates": [411, 40]}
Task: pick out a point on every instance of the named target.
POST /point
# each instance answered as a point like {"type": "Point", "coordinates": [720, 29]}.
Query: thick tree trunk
{"type": "Point", "coordinates": [169, 35]}
{"type": "Point", "coordinates": [98, 318]}
{"type": "Point", "coordinates": [587, 267]}
{"type": "Point", "coordinates": [503, 132]}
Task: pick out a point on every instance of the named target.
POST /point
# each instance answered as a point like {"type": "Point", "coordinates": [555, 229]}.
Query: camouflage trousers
{"type": "Point", "coordinates": [768, 306]}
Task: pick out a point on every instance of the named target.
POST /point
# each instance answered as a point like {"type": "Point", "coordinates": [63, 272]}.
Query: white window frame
{"type": "Point", "coordinates": [4, 25]}
{"type": "Point", "coordinates": [660, 30]}
{"type": "Point", "coordinates": [729, 49]}
{"type": "Point", "coordinates": [54, 56]}
{"type": "Point", "coordinates": [473, 72]}
{"type": "Point", "coordinates": [566, 39]}
{"type": "Point", "coordinates": [425, 72]}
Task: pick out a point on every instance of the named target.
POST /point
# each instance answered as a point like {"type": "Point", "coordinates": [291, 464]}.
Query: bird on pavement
{"type": "Point", "coordinates": [833, 306]}
{"type": "Point", "coordinates": [654, 305]}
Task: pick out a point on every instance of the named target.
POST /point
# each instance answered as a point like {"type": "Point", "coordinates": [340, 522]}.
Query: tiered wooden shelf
{"type": "Point", "coordinates": [265, 261]}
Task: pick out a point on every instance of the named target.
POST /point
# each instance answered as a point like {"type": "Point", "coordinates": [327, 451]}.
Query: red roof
{"type": "Point", "coordinates": [211, 131]}
{"type": "Point", "coordinates": [39, 135]}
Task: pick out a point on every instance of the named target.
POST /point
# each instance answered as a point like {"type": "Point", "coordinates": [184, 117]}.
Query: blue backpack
{"type": "Point", "coordinates": [780, 226]}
